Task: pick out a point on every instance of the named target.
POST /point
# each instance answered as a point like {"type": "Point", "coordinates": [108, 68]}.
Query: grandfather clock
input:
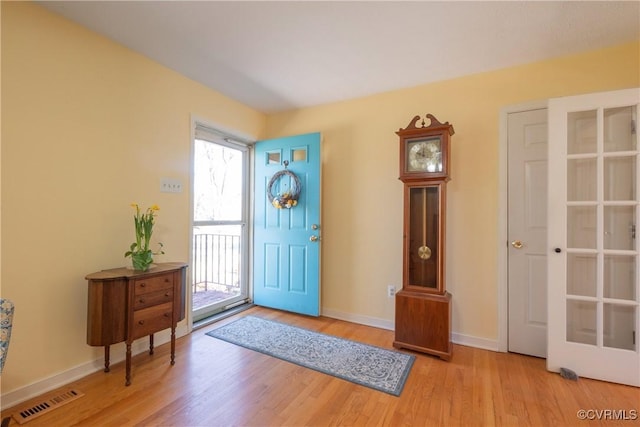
{"type": "Point", "coordinates": [423, 306]}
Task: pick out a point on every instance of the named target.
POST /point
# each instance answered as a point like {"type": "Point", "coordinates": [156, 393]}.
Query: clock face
{"type": "Point", "coordinates": [424, 155]}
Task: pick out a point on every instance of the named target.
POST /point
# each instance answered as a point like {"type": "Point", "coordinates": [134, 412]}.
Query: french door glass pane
{"type": "Point", "coordinates": [620, 277]}
{"type": "Point", "coordinates": [581, 227]}
{"type": "Point", "coordinates": [581, 274]}
{"type": "Point", "coordinates": [618, 134]}
{"type": "Point", "coordinates": [620, 178]}
{"type": "Point", "coordinates": [619, 229]}
{"type": "Point", "coordinates": [582, 132]}
{"type": "Point", "coordinates": [581, 180]}
{"type": "Point", "coordinates": [619, 326]}
{"type": "Point", "coordinates": [581, 322]}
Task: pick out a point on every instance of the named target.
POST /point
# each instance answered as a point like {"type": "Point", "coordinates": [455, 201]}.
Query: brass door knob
{"type": "Point", "coordinates": [517, 244]}
{"type": "Point", "coordinates": [313, 238]}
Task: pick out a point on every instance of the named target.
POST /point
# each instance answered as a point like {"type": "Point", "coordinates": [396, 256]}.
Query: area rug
{"type": "Point", "coordinates": [374, 367]}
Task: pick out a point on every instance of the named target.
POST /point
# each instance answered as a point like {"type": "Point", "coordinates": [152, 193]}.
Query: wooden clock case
{"type": "Point", "coordinates": [423, 306]}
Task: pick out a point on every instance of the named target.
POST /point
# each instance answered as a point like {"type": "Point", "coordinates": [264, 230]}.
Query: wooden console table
{"type": "Point", "coordinates": [125, 304]}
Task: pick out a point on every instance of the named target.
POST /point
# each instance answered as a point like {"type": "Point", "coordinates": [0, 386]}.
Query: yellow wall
{"type": "Point", "coordinates": [362, 197]}
{"type": "Point", "coordinates": [88, 127]}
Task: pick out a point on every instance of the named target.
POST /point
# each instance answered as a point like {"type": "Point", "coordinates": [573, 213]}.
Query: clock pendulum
{"type": "Point", "coordinates": [424, 252]}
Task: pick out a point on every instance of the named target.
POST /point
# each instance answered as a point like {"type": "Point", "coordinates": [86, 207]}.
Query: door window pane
{"type": "Point", "coordinates": [582, 132]}
{"type": "Point", "coordinates": [581, 227]}
{"type": "Point", "coordinates": [581, 179]}
{"type": "Point", "coordinates": [620, 178]}
{"type": "Point", "coordinates": [619, 227]}
{"type": "Point", "coordinates": [619, 134]}
{"type": "Point", "coordinates": [581, 322]}
{"type": "Point", "coordinates": [273, 158]}
{"type": "Point", "coordinates": [581, 274]}
{"type": "Point", "coordinates": [620, 277]}
{"type": "Point", "coordinates": [299, 155]}
{"type": "Point", "coordinates": [619, 326]}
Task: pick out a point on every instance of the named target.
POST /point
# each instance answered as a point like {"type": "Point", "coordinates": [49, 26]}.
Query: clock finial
{"type": "Point", "coordinates": [433, 123]}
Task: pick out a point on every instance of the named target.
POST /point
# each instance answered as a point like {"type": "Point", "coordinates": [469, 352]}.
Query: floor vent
{"type": "Point", "coordinates": [34, 411]}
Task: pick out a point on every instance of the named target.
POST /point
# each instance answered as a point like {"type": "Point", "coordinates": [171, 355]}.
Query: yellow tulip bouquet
{"type": "Point", "coordinates": [139, 251]}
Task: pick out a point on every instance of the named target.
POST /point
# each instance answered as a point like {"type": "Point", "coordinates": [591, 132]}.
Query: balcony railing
{"type": "Point", "coordinates": [216, 268]}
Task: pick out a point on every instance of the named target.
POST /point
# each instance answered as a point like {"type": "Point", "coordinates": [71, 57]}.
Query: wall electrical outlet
{"type": "Point", "coordinates": [391, 291]}
{"type": "Point", "coordinates": [168, 185]}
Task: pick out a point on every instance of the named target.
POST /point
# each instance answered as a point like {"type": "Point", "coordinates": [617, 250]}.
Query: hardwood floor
{"type": "Point", "coordinates": [214, 383]}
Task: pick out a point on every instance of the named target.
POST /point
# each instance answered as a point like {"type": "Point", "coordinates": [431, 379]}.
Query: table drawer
{"type": "Point", "coordinates": [152, 284]}
{"type": "Point", "coordinates": [152, 319]}
{"type": "Point", "coordinates": [152, 298]}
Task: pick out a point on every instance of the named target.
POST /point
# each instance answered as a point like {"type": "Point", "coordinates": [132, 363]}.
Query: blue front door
{"type": "Point", "coordinates": [286, 273]}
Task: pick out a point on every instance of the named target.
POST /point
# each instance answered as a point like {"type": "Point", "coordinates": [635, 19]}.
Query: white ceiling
{"type": "Point", "coordinates": [280, 55]}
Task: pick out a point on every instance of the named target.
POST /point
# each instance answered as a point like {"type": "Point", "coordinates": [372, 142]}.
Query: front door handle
{"type": "Point", "coordinates": [314, 238]}
{"type": "Point", "coordinates": [517, 244]}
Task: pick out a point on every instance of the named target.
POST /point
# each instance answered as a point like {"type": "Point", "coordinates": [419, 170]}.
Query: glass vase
{"type": "Point", "coordinates": [142, 260]}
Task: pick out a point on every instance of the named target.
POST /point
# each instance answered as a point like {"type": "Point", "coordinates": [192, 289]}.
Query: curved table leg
{"type": "Point", "coordinates": [106, 358]}
{"type": "Point", "coordinates": [173, 345]}
{"type": "Point", "coordinates": [128, 365]}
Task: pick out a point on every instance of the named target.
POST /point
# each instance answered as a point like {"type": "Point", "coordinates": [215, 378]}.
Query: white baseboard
{"type": "Point", "coordinates": [477, 342]}
{"type": "Point", "coordinates": [117, 354]}
{"type": "Point", "coordinates": [357, 318]}
{"type": "Point", "coordinates": [456, 338]}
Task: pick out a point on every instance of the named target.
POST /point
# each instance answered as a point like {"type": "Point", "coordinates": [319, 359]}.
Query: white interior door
{"type": "Point", "coordinates": [593, 213]}
{"type": "Point", "coordinates": [527, 232]}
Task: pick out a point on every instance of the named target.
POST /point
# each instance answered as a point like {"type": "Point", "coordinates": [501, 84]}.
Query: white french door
{"type": "Point", "coordinates": [593, 262]}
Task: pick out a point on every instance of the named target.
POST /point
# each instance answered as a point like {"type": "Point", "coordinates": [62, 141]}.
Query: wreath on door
{"type": "Point", "coordinates": [288, 198]}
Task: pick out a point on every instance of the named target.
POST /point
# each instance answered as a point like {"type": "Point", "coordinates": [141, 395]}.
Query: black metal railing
{"type": "Point", "coordinates": [216, 263]}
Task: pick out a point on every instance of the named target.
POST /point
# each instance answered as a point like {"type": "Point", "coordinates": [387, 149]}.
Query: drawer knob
{"type": "Point", "coordinates": [166, 294]}
{"type": "Point", "coordinates": [141, 300]}
{"type": "Point", "coordinates": [141, 322]}
{"type": "Point", "coordinates": [166, 280]}
{"type": "Point", "coordinates": [142, 285]}
{"type": "Point", "coordinates": [167, 315]}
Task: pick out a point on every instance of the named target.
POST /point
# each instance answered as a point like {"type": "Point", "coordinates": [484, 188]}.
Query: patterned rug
{"type": "Point", "coordinates": [378, 368]}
